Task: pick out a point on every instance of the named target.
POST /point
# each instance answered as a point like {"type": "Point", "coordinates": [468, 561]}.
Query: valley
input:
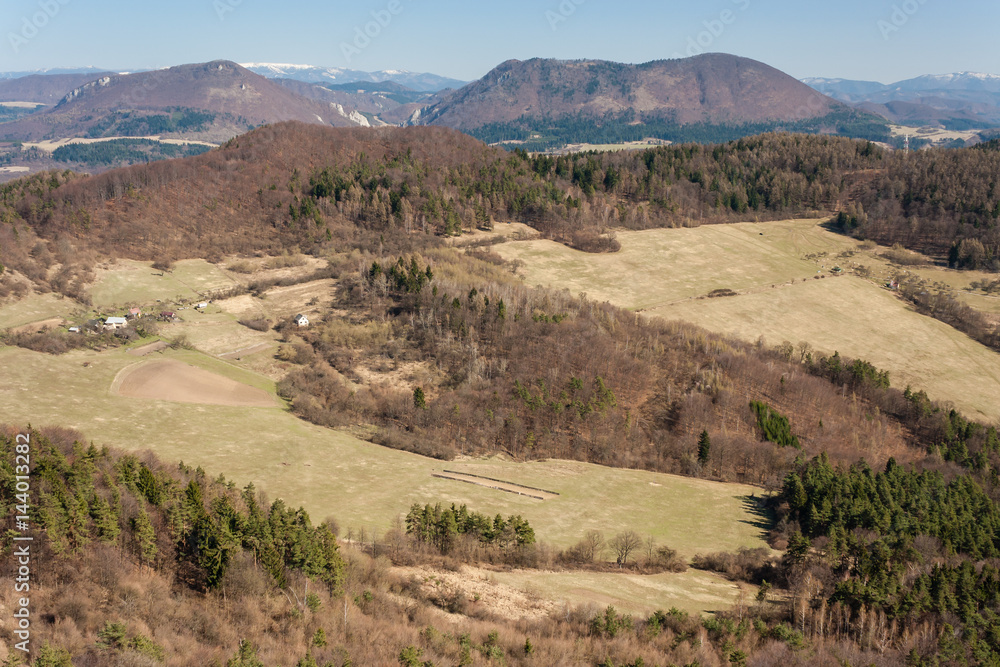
{"type": "Point", "coordinates": [190, 419]}
{"type": "Point", "coordinates": [583, 362]}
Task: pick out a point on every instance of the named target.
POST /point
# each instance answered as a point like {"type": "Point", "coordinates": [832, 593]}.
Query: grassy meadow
{"type": "Point", "coordinates": [127, 281]}
{"type": "Point", "coordinates": [332, 473]}
{"type": "Point", "coordinates": [786, 290]}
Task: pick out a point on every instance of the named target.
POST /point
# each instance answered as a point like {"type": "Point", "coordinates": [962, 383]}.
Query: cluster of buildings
{"type": "Point", "coordinates": [117, 323]}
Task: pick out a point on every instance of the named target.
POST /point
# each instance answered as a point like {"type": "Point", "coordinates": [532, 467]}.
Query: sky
{"type": "Point", "coordinates": [880, 40]}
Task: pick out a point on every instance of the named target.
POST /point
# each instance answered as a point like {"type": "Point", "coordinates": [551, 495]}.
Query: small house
{"type": "Point", "coordinates": [168, 315]}
{"type": "Point", "coordinates": [134, 312]}
{"type": "Point", "coordinates": [301, 320]}
{"type": "Point", "coordinates": [74, 329]}
{"type": "Point", "coordinates": [113, 323]}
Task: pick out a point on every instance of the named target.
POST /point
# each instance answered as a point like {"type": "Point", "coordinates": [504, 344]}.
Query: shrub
{"type": "Point", "coordinates": [241, 266]}
{"type": "Point", "coordinates": [257, 323]}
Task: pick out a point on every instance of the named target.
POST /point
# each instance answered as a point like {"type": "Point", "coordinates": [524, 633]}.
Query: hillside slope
{"type": "Point", "coordinates": [211, 101]}
{"type": "Point", "coordinates": [712, 87]}
{"type": "Point", "coordinates": [44, 88]}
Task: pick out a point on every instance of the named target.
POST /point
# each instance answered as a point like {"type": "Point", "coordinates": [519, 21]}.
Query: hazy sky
{"type": "Point", "coordinates": [884, 40]}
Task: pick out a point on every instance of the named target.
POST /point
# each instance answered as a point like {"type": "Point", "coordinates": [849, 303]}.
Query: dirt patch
{"type": "Point", "coordinates": [405, 378]}
{"type": "Point", "coordinates": [479, 589]}
{"type": "Point", "coordinates": [170, 380]}
{"type": "Point", "coordinates": [148, 349]}
{"type": "Point", "coordinates": [499, 485]}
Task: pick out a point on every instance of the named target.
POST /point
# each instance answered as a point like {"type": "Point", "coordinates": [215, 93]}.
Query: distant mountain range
{"type": "Point", "coordinates": [964, 100]}
{"type": "Point", "coordinates": [422, 82]}
{"type": "Point", "coordinates": [535, 104]}
{"type": "Point", "coordinates": [93, 71]}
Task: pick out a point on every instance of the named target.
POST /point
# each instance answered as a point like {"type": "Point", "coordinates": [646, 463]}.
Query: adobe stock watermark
{"type": "Point", "coordinates": [714, 29]}
{"type": "Point", "coordinates": [30, 26]}
{"type": "Point", "coordinates": [365, 35]}
{"type": "Point", "coordinates": [562, 13]}
{"type": "Point", "coordinates": [223, 7]}
{"type": "Point", "coordinates": [900, 16]}
{"type": "Point", "coordinates": [22, 542]}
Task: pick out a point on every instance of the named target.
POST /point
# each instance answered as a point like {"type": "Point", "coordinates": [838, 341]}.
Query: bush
{"type": "Point", "coordinates": [163, 264]}
{"type": "Point", "coordinates": [257, 323]}
{"type": "Point", "coordinates": [241, 266]}
{"type": "Point", "coordinates": [750, 565]}
{"type": "Point", "coordinates": [285, 262]}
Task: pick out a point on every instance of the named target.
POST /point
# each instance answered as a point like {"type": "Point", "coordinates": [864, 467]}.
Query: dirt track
{"type": "Point", "coordinates": [509, 487]}
{"type": "Point", "coordinates": [148, 349]}
{"type": "Point", "coordinates": [170, 380]}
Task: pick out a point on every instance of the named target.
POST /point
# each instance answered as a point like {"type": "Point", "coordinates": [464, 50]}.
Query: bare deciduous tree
{"type": "Point", "coordinates": [623, 544]}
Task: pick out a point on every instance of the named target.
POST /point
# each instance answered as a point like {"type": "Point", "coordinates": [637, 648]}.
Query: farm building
{"type": "Point", "coordinates": [202, 306]}
{"type": "Point", "coordinates": [301, 320]}
{"type": "Point", "coordinates": [168, 315]}
{"type": "Point", "coordinates": [134, 312]}
{"type": "Point", "coordinates": [113, 323]}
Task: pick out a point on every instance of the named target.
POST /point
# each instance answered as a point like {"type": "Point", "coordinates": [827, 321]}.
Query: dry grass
{"type": "Point", "coordinates": [171, 380]}
{"type": "Point", "coordinates": [665, 272]}
{"type": "Point", "coordinates": [127, 281]}
{"type": "Point", "coordinates": [328, 471]}
{"type": "Point", "coordinates": [36, 307]}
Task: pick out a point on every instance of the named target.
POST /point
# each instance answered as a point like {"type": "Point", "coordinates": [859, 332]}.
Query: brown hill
{"type": "Point", "coordinates": [240, 198]}
{"type": "Point", "coordinates": [44, 88]}
{"type": "Point", "coordinates": [211, 101]}
{"type": "Point", "coordinates": [712, 88]}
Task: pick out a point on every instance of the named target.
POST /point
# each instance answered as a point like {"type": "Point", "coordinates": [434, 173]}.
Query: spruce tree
{"type": "Point", "coordinates": [704, 448]}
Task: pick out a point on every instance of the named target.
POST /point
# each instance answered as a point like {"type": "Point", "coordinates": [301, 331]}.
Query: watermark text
{"type": "Point", "coordinates": [22, 542]}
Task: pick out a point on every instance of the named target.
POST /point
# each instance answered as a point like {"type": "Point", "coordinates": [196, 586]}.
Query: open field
{"type": "Point", "coordinates": [660, 266]}
{"type": "Point", "coordinates": [172, 380]}
{"type": "Point", "coordinates": [933, 134]}
{"type": "Point", "coordinates": [50, 145]}
{"type": "Point", "coordinates": [328, 471]}
{"type": "Point", "coordinates": [535, 594]}
{"type": "Point", "coordinates": [694, 591]}
{"type": "Point", "coordinates": [128, 281]}
{"type": "Point", "coordinates": [624, 146]}
{"type": "Point", "coordinates": [332, 473]}
{"type": "Point", "coordinates": [852, 316]}
{"type": "Point", "coordinates": [772, 267]}
{"type": "Point", "coordinates": [36, 308]}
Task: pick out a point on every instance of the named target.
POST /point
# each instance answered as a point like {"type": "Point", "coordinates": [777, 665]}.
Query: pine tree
{"type": "Point", "coordinates": [246, 656]}
{"type": "Point", "coordinates": [419, 399]}
{"type": "Point", "coordinates": [145, 536]}
{"type": "Point", "coordinates": [704, 448]}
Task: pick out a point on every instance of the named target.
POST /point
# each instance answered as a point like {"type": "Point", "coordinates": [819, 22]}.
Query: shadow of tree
{"type": "Point", "coordinates": [761, 516]}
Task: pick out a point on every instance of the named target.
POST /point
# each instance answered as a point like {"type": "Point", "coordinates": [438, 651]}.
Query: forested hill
{"type": "Point", "coordinates": [294, 184]}
{"type": "Point", "coordinates": [713, 87]}
{"type": "Point", "coordinates": [709, 97]}
{"type": "Point", "coordinates": [211, 101]}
